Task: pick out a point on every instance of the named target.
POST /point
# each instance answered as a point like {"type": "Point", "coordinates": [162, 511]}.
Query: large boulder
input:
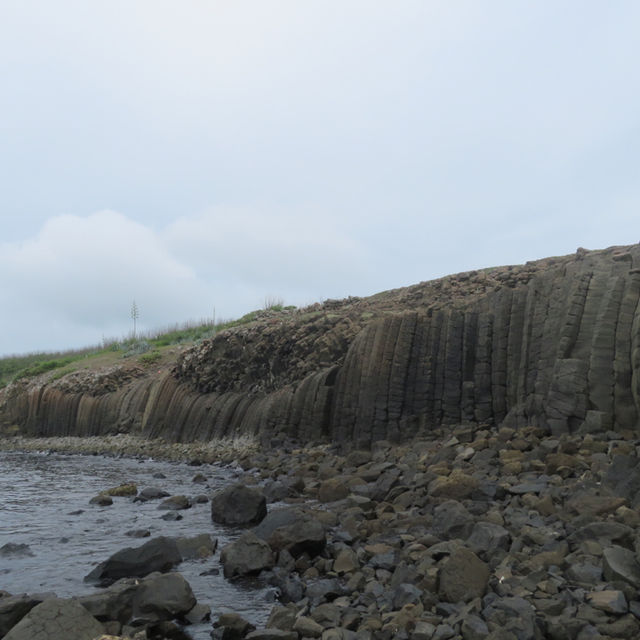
{"type": "Point", "coordinates": [238, 505]}
{"type": "Point", "coordinates": [246, 555]}
{"type": "Point", "coordinates": [463, 577]}
{"type": "Point", "coordinates": [294, 530]}
{"type": "Point", "coordinates": [159, 554]}
{"type": "Point", "coordinates": [14, 608]}
{"type": "Point", "coordinates": [114, 603]}
{"type": "Point", "coordinates": [163, 597]}
{"type": "Point", "coordinates": [57, 619]}
{"type": "Point", "coordinates": [197, 547]}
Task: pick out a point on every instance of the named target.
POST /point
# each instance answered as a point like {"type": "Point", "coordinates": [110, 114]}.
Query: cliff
{"type": "Point", "coordinates": [553, 343]}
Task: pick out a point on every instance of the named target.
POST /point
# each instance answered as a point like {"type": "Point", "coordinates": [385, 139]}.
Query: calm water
{"type": "Point", "coordinates": [39, 493]}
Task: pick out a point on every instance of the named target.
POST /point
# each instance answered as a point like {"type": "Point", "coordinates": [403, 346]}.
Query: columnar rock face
{"type": "Point", "coordinates": [553, 343]}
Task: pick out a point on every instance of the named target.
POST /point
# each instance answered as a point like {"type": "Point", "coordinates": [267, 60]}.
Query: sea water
{"type": "Point", "coordinates": [44, 504]}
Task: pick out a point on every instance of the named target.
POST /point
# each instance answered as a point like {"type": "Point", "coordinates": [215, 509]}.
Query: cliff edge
{"type": "Point", "coordinates": [553, 343]}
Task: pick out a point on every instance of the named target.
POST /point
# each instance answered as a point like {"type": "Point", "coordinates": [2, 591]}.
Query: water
{"type": "Point", "coordinates": [40, 492]}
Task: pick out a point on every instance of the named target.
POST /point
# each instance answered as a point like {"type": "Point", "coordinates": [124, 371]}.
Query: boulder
{"type": "Point", "coordinates": [333, 489]}
{"type": "Point", "coordinates": [114, 603]}
{"type": "Point", "coordinates": [150, 493]}
{"type": "Point", "coordinates": [463, 577]}
{"type": "Point", "coordinates": [14, 608]}
{"type": "Point", "coordinates": [15, 550]}
{"type": "Point", "coordinates": [163, 597]}
{"type": "Point", "coordinates": [246, 555]}
{"type": "Point", "coordinates": [159, 554]}
{"type": "Point", "coordinates": [197, 547]}
{"type": "Point", "coordinates": [175, 503]}
{"type": "Point", "coordinates": [56, 619]}
{"type": "Point", "coordinates": [619, 563]}
{"type": "Point", "coordinates": [609, 601]}
{"type": "Point", "coordinates": [123, 490]}
{"type": "Point", "coordinates": [101, 500]}
{"type": "Point", "coordinates": [231, 626]}
{"type": "Point", "coordinates": [452, 520]}
{"type": "Point", "coordinates": [293, 529]}
{"type": "Point", "coordinates": [238, 505]}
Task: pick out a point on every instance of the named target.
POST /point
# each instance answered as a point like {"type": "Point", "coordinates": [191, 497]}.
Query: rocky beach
{"type": "Point", "coordinates": [468, 533]}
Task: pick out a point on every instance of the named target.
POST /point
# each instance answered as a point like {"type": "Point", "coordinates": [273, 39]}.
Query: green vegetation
{"type": "Point", "coordinates": [148, 348]}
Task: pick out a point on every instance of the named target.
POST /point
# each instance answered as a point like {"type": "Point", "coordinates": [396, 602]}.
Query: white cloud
{"type": "Point", "coordinates": [74, 281]}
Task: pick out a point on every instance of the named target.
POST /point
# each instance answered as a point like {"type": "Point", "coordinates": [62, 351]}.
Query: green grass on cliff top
{"type": "Point", "coordinates": [148, 349]}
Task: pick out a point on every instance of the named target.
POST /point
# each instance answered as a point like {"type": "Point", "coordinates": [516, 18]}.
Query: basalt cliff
{"type": "Point", "coordinates": [552, 343]}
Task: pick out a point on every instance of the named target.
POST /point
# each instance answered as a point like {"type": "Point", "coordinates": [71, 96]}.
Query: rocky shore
{"type": "Point", "coordinates": [468, 533]}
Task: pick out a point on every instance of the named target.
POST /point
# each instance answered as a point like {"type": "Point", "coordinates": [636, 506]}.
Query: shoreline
{"type": "Point", "coordinates": [222, 451]}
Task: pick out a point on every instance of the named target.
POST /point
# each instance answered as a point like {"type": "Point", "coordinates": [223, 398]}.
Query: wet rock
{"type": "Point", "coordinates": [231, 626]}
{"type": "Point", "coordinates": [175, 503]}
{"type": "Point", "coordinates": [15, 550]}
{"type": "Point", "coordinates": [238, 505]}
{"type": "Point", "coordinates": [171, 516]}
{"type": "Point", "coordinates": [307, 627]}
{"type": "Point", "coordinates": [101, 500]}
{"type": "Point", "coordinates": [114, 603]}
{"type": "Point", "coordinates": [13, 609]}
{"type": "Point", "coordinates": [123, 490]}
{"type": "Point", "coordinates": [163, 597]}
{"type": "Point", "coordinates": [150, 493]}
{"type": "Point", "coordinates": [138, 533]}
{"type": "Point", "coordinates": [197, 547]}
{"type": "Point", "coordinates": [294, 530]}
{"type": "Point", "coordinates": [159, 554]}
{"type": "Point", "coordinates": [56, 619]}
{"type": "Point", "coordinates": [246, 555]}
{"type": "Point", "coordinates": [199, 478]}
{"type": "Point", "coordinates": [463, 577]}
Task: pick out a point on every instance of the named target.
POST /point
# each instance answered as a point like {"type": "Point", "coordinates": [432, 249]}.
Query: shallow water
{"type": "Point", "coordinates": [40, 492]}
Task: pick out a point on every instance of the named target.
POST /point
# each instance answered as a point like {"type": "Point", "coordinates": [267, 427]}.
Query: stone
{"type": "Point", "coordinates": [246, 555]}
{"type": "Point", "coordinates": [231, 626]}
{"type": "Point", "coordinates": [163, 597]}
{"type": "Point", "coordinates": [619, 563]}
{"type": "Point", "coordinates": [474, 628]}
{"type": "Point", "coordinates": [175, 503]}
{"type": "Point", "coordinates": [113, 603]}
{"type": "Point", "coordinates": [307, 627]}
{"type": "Point", "coordinates": [609, 600]}
{"type": "Point", "coordinates": [13, 609]}
{"type": "Point", "coordinates": [487, 538]}
{"type": "Point", "coordinates": [197, 547]}
{"type": "Point", "coordinates": [123, 490]}
{"type": "Point", "coordinates": [238, 505]}
{"type": "Point", "coordinates": [333, 489]}
{"type": "Point", "coordinates": [452, 520]}
{"type": "Point", "coordinates": [150, 493]}
{"type": "Point", "coordinates": [159, 554]}
{"type": "Point", "coordinates": [15, 550]}
{"type": "Point", "coordinates": [56, 619]}
{"type": "Point", "coordinates": [463, 577]}
{"type": "Point", "coordinates": [101, 500]}
{"type": "Point", "coordinates": [294, 530]}
{"type": "Point", "coordinates": [272, 634]}
{"type": "Point", "coordinates": [456, 486]}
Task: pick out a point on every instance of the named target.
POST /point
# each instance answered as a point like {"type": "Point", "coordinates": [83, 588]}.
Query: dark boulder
{"type": "Point", "coordinates": [245, 556]}
{"type": "Point", "coordinates": [294, 530]}
{"type": "Point", "coordinates": [13, 609]}
{"type": "Point", "coordinates": [238, 505]}
{"type": "Point", "coordinates": [159, 554]}
{"type": "Point", "coordinates": [56, 619]}
{"type": "Point", "coordinates": [163, 597]}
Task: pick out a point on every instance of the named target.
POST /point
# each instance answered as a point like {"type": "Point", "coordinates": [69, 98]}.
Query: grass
{"type": "Point", "coordinates": [149, 348]}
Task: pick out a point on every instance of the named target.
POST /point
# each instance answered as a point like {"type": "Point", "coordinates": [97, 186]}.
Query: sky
{"type": "Point", "coordinates": [205, 157]}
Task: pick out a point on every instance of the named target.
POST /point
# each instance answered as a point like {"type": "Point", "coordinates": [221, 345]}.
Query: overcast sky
{"type": "Point", "coordinates": [202, 155]}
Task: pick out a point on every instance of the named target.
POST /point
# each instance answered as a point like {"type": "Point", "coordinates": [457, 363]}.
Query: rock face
{"type": "Point", "coordinates": [57, 619]}
{"type": "Point", "coordinates": [553, 343]}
